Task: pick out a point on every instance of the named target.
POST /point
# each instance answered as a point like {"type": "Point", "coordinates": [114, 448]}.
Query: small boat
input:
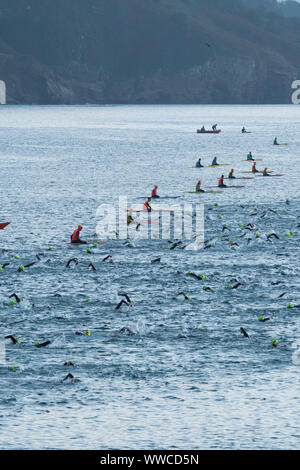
{"type": "Point", "coordinates": [199, 131]}
{"type": "Point", "coordinates": [3, 225]}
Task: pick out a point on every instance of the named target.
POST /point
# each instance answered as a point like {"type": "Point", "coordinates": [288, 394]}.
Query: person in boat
{"type": "Point", "coordinates": [198, 164]}
{"type": "Point", "coordinates": [265, 173]}
{"type": "Point", "coordinates": [75, 237]}
{"type": "Point", "coordinates": [214, 162]}
{"type": "Point", "coordinates": [244, 130]}
{"type": "Point", "coordinates": [275, 141]}
{"type": "Point", "coordinates": [202, 129]}
{"type": "Point", "coordinates": [146, 205]}
{"type": "Point", "coordinates": [154, 192]}
{"type": "Point", "coordinates": [250, 157]}
{"type": "Point", "coordinates": [231, 175]}
{"type": "Point", "coordinates": [198, 187]}
{"type": "Point", "coordinates": [214, 127]}
{"type": "Point", "coordinates": [254, 170]}
{"type": "Point", "coordinates": [221, 182]}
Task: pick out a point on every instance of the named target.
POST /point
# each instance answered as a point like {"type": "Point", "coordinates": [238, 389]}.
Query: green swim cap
{"type": "Point", "coordinates": [17, 257]}
{"type": "Point", "coordinates": [21, 267]}
{"type": "Point", "coordinates": [36, 343]}
{"type": "Point", "coordinates": [87, 332]}
{"type": "Point", "coordinates": [229, 286]}
{"type": "Point", "coordinates": [50, 248]}
{"type": "Point", "coordinates": [88, 250]}
{"type": "Point", "coordinates": [95, 245]}
{"type": "Point", "coordinates": [289, 305]}
{"type": "Point", "coordinates": [88, 299]}
{"type": "Point", "coordinates": [260, 318]}
{"type": "Point", "coordinates": [274, 342]}
{"type": "Point", "coordinates": [15, 368]}
{"type": "Point", "coordinates": [12, 302]}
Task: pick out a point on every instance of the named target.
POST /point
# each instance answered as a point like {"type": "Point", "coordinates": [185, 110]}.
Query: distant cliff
{"type": "Point", "coordinates": [148, 51]}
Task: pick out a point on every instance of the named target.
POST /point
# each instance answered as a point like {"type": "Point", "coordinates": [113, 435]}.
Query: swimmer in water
{"type": "Point", "coordinates": [123, 294]}
{"type": "Point", "coordinates": [127, 331]}
{"type": "Point", "coordinates": [18, 300]}
{"type": "Point", "coordinates": [184, 295]}
{"type": "Point", "coordinates": [69, 379]}
{"type": "Point", "coordinates": [244, 332]}
{"type": "Point", "coordinates": [13, 339]}
{"type": "Point", "coordinates": [74, 260]}
{"type": "Point", "coordinates": [42, 345]}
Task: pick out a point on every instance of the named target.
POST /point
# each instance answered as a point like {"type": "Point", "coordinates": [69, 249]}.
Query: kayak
{"type": "Point", "coordinates": [280, 144]}
{"type": "Point", "coordinates": [208, 132]}
{"type": "Point", "coordinates": [241, 178]}
{"type": "Point", "coordinates": [3, 225]}
{"type": "Point", "coordinates": [87, 243]}
{"type": "Point", "coordinates": [271, 175]}
{"type": "Point", "coordinates": [195, 192]}
{"type": "Point", "coordinates": [152, 211]}
{"type": "Point", "coordinates": [211, 166]}
{"type": "Point", "coordinates": [259, 171]}
{"type": "Point", "coordinates": [227, 187]}
{"type": "Point", "coordinates": [160, 197]}
{"type": "Point", "coordinates": [255, 160]}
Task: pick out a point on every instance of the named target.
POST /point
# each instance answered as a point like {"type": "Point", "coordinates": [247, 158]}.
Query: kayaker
{"type": "Point", "coordinates": [198, 187]}
{"type": "Point", "coordinates": [202, 129]}
{"type": "Point", "coordinates": [75, 237]}
{"type": "Point", "coordinates": [214, 162]}
{"type": "Point", "coordinates": [154, 192]}
{"type": "Point", "coordinates": [254, 170]}
{"type": "Point", "coordinates": [231, 176]}
{"type": "Point", "coordinates": [221, 182]}
{"type": "Point", "coordinates": [244, 130]}
{"type": "Point", "coordinates": [265, 173]}
{"type": "Point", "coordinates": [146, 206]}
{"type": "Point", "coordinates": [275, 141]}
{"type": "Point", "coordinates": [198, 164]}
{"type": "Point", "coordinates": [214, 127]}
{"type": "Point", "coordinates": [250, 157]}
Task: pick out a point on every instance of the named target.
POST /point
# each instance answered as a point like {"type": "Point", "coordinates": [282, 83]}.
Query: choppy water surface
{"type": "Point", "coordinates": [209, 388]}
